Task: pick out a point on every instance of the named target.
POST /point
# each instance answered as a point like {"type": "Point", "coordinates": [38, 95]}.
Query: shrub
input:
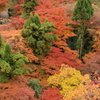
{"type": "Point", "coordinates": [35, 85]}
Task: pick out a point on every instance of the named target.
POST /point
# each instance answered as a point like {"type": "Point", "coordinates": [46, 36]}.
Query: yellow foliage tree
{"type": "Point", "coordinates": [68, 80]}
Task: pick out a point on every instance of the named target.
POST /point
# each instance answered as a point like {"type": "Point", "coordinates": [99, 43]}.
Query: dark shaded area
{"type": "Point", "coordinates": [10, 12]}
{"type": "Point", "coordinates": [88, 43]}
{"type": "Point", "coordinates": [72, 42]}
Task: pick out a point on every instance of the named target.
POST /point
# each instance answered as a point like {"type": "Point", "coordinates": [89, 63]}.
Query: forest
{"type": "Point", "coordinates": [49, 49]}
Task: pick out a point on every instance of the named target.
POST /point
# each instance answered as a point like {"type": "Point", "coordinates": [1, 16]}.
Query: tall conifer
{"type": "Point", "coordinates": [11, 64]}
{"type": "Point", "coordinates": [37, 34]}
{"type": "Point", "coordinates": [82, 13]}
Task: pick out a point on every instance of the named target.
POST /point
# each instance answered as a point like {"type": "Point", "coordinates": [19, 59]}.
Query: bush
{"type": "Point", "coordinates": [35, 85]}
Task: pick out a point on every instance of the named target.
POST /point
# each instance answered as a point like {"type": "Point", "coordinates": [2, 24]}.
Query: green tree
{"type": "Point", "coordinates": [37, 34]}
{"type": "Point", "coordinates": [7, 54]}
{"type": "Point", "coordinates": [28, 6]}
{"type": "Point", "coordinates": [82, 13]}
{"type": "Point", "coordinates": [11, 64]}
{"type": "Point", "coordinates": [36, 86]}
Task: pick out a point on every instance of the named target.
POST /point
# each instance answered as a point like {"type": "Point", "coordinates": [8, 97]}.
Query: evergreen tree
{"type": "Point", "coordinates": [11, 64]}
{"type": "Point", "coordinates": [82, 13]}
{"type": "Point", "coordinates": [37, 34]}
{"type": "Point", "coordinates": [28, 6]}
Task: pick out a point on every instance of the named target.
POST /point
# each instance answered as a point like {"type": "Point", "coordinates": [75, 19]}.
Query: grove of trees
{"type": "Point", "coordinates": [48, 51]}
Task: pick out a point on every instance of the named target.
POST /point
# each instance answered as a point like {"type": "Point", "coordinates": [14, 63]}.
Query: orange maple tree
{"type": "Point", "coordinates": [18, 44]}
{"type": "Point", "coordinates": [16, 89]}
{"type": "Point", "coordinates": [18, 7]}
{"type": "Point", "coordinates": [51, 63]}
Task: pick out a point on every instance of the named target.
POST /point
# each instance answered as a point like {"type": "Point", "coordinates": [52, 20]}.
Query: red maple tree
{"type": "Point", "coordinates": [52, 62]}
{"type": "Point", "coordinates": [16, 89]}
{"type": "Point", "coordinates": [51, 94]}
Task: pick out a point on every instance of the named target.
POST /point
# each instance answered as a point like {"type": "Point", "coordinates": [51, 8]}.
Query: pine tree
{"type": "Point", "coordinates": [82, 13]}
{"type": "Point", "coordinates": [28, 6]}
{"type": "Point", "coordinates": [37, 34]}
{"type": "Point", "coordinates": [11, 64]}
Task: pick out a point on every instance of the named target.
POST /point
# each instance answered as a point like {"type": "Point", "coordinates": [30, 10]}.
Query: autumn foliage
{"type": "Point", "coordinates": [56, 14]}
{"type": "Point", "coordinates": [68, 80]}
{"type": "Point", "coordinates": [51, 94]}
{"type": "Point", "coordinates": [18, 7]}
{"type": "Point", "coordinates": [17, 22]}
{"type": "Point", "coordinates": [51, 63]}
{"type": "Point", "coordinates": [16, 89]}
{"type": "Point", "coordinates": [58, 74]}
{"type": "Point", "coordinates": [3, 4]}
{"type": "Point", "coordinates": [18, 44]}
{"type": "Point", "coordinates": [92, 66]}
